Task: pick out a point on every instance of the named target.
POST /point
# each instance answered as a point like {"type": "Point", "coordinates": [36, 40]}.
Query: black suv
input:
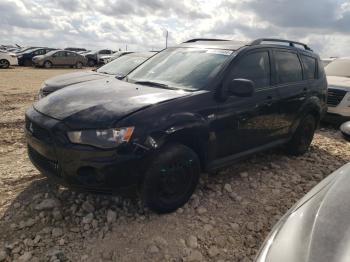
{"type": "Point", "coordinates": [195, 107]}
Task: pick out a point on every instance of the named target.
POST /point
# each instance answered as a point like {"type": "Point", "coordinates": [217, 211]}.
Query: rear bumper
{"type": "Point", "coordinates": [83, 166]}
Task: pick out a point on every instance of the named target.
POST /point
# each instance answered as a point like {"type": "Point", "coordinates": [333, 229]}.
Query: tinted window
{"type": "Point", "coordinates": [309, 66]}
{"type": "Point", "coordinates": [61, 53]}
{"type": "Point", "coordinates": [288, 67]}
{"type": "Point", "coordinates": [39, 52]}
{"type": "Point", "coordinates": [105, 52]}
{"type": "Point", "coordinates": [71, 54]}
{"type": "Point", "coordinates": [255, 67]}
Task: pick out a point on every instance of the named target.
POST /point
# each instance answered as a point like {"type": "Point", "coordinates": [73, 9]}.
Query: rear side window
{"type": "Point", "coordinates": [255, 67]}
{"type": "Point", "coordinates": [309, 66]}
{"type": "Point", "coordinates": [288, 67]}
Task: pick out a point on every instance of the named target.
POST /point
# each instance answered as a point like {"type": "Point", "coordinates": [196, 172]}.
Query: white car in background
{"type": "Point", "coordinates": [109, 58]}
{"type": "Point", "coordinates": [338, 76]}
{"type": "Point", "coordinates": [7, 59]}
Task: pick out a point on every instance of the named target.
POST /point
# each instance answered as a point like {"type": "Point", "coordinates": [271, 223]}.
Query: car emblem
{"type": "Point", "coordinates": [31, 129]}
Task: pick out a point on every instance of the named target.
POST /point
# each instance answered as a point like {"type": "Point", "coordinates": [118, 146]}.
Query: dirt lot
{"type": "Point", "coordinates": [226, 220]}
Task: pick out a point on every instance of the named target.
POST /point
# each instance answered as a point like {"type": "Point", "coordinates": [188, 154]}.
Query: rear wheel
{"type": "Point", "coordinates": [91, 63]}
{"type": "Point", "coordinates": [47, 64]}
{"type": "Point", "coordinates": [4, 63]}
{"type": "Point", "coordinates": [79, 65]}
{"type": "Point", "coordinates": [302, 138]}
{"type": "Point", "coordinates": [171, 178]}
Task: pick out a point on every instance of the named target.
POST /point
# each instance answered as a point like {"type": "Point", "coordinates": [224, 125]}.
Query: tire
{"type": "Point", "coordinates": [91, 63]}
{"type": "Point", "coordinates": [79, 65]}
{"type": "Point", "coordinates": [302, 138]}
{"type": "Point", "coordinates": [4, 64]}
{"type": "Point", "coordinates": [47, 64]}
{"type": "Point", "coordinates": [171, 178]}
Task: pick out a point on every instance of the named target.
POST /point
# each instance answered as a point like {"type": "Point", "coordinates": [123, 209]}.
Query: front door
{"type": "Point", "coordinates": [244, 123]}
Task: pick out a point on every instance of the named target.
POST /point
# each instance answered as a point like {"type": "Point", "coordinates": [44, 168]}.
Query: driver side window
{"type": "Point", "coordinates": [255, 67]}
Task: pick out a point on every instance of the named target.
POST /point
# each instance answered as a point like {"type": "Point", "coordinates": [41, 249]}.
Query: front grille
{"type": "Point", "coordinates": [335, 96]}
{"type": "Point", "coordinates": [38, 131]}
{"type": "Point", "coordinates": [43, 162]}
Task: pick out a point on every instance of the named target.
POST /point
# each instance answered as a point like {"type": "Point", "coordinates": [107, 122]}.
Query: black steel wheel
{"type": "Point", "coordinates": [171, 178]}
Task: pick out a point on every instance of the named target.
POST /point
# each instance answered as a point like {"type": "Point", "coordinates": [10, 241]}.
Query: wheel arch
{"type": "Point", "coordinates": [313, 107]}
{"type": "Point", "coordinates": [194, 135]}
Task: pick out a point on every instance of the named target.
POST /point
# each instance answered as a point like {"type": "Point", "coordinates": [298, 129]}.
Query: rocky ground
{"type": "Point", "coordinates": [226, 220]}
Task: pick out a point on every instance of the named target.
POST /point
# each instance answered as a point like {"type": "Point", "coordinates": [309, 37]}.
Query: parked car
{"type": "Point", "coordinates": [25, 58]}
{"type": "Point", "coordinates": [95, 56]}
{"type": "Point", "coordinates": [7, 59]}
{"type": "Point", "coordinates": [316, 229]}
{"type": "Point", "coordinates": [118, 68]}
{"type": "Point", "coordinates": [25, 49]}
{"type": "Point", "coordinates": [60, 58]}
{"type": "Point", "coordinates": [326, 61]}
{"type": "Point", "coordinates": [75, 49]}
{"type": "Point", "coordinates": [195, 107]}
{"type": "Point", "coordinates": [345, 130]}
{"type": "Point", "coordinates": [106, 59]}
{"type": "Point", "coordinates": [338, 75]}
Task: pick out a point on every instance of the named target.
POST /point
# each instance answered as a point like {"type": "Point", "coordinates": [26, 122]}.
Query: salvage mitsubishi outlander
{"type": "Point", "coordinates": [193, 108]}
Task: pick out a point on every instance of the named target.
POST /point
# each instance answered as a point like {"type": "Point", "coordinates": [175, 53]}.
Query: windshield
{"type": "Point", "coordinates": [122, 65]}
{"type": "Point", "coordinates": [339, 67]}
{"type": "Point", "coordinates": [181, 68]}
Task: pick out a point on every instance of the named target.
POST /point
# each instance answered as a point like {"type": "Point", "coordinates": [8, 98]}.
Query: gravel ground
{"type": "Point", "coordinates": [226, 220]}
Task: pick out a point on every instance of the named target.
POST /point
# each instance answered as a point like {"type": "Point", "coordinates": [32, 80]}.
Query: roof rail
{"type": "Point", "coordinates": [203, 39]}
{"type": "Point", "coordinates": [291, 43]}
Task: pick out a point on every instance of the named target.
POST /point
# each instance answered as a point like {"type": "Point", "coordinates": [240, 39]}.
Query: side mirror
{"type": "Point", "coordinates": [241, 87]}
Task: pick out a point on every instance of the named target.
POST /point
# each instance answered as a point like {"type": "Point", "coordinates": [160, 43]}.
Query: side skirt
{"type": "Point", "coordinates": [229, 160]}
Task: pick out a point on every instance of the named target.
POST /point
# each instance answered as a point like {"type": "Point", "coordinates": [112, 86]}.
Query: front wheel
{"type": "Point", "coordinates": [79, 65]}
{"type": "Point", "coordinates": [47, 64]}
{"type": "Point", "coordinates": [4, 63]}
{"type": "Point", "coordinates": [91, 63]}
{"type": "Point", "coordinates": [302, 138]}
{"type": "Point", "coordinates": [171, 178]}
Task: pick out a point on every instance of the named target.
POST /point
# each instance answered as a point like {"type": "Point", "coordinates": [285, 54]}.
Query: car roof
{"type": "Point", "coordinates": [215, 44]}
{"type": "Point", "coordinates": [236, 44]}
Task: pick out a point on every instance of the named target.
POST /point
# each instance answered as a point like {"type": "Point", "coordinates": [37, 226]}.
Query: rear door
{"type": "Point", "coordinates": [245, 123]}
{"type": "Point", "coordinates": [59, 58]}
{"type": "Point", "coordinates": [291, 85]}
{"type": "Point", "coordinates": [71, 58]}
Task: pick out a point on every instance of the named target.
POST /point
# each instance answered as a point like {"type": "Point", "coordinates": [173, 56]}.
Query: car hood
{"type": "Point", "coordinates": [338, 81]}
{"type": "Point", "coordinates": [101, 103]}
{"type": "Point", "coordinates": [61, 81]}
{"type": "Point", "coordinates": [317, 228]}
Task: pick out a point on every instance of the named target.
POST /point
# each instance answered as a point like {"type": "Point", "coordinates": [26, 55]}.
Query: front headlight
{"type": "Point", "coordinates": [108, 138]}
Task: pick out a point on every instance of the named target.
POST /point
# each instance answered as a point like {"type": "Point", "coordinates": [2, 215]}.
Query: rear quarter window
{"type": "Point", "coordinates": [288, 67]}
{"type": "Point", "coordinates": [309, 67]}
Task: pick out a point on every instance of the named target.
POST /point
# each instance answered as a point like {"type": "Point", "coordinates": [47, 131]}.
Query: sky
{"type": "Point", "coordinates": [140, 24]}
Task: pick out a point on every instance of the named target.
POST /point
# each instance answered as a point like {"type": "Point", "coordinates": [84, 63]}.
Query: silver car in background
{"type": "Point", "coordinates": [317, 228]}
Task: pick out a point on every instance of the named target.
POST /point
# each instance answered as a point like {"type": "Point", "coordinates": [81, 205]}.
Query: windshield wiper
{"type": "Point", "coordinates": [156, 84]}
